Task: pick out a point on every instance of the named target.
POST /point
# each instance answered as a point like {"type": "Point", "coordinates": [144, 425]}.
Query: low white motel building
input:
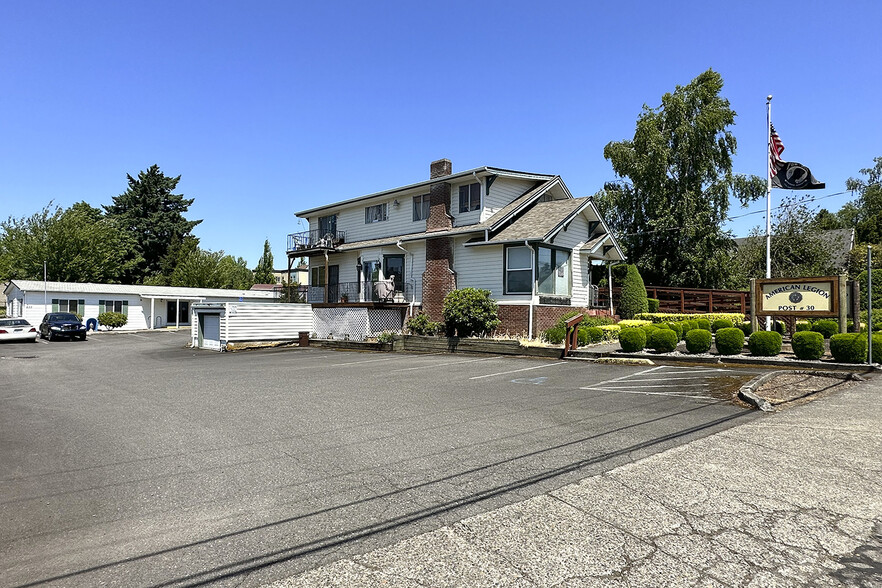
{"type": "Point", "coordinates": [147, 307]}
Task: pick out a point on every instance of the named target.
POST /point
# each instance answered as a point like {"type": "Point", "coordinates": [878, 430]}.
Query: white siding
{"type": "Point", "coordinates": [502, 192]}
{"type": "Point", "coordinates": [574, 237]}
{"type": "Point", "coordinates": [244, 321]}
{"type": "Point", "coordinates": [479, 267]}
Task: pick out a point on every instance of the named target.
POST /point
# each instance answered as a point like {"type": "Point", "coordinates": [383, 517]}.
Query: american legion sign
{"type": "Point", "coordinates": [800, 297]}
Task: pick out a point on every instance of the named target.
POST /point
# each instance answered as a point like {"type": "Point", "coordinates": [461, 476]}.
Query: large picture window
{"type": "Point", "coordinates": [469, 197]}
{"type": "Point", "coordinates": [375, 214]}
{"type": "Point", "coordinates": [554, 272]}
{"type": "Point", "coordinates": [327, 225]}
{"type": "Point", "coordinates": [518, 270]}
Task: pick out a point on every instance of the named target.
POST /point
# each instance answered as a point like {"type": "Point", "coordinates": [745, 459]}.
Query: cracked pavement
{"type": "Point", "coordinates": [792, 499]}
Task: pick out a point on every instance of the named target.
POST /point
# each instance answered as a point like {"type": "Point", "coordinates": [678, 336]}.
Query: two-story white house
{"type": "Point", "coordinates": [523, 236]}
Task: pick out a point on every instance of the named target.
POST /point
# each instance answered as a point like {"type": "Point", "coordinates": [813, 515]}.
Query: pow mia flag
{"type": "Point", "coordinates": [788, 174]}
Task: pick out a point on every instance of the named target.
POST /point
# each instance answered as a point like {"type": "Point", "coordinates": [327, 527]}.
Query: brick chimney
{"type": "Point", "coordinates": [439, 278]}
{"type": "Point", "coordinates": [439, 197]}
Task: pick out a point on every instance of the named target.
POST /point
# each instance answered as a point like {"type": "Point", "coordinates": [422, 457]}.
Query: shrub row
{"type": "Point", "coordinates": [664, 317]}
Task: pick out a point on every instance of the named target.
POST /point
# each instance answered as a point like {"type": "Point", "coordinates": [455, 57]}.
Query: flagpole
{"type": "Point", "coordinates": [769, 196]}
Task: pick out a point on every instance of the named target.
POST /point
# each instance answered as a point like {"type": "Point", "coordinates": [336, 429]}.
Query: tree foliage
{"type": "Point", "coordinates": [79, 244]}
{"type": "Point", "coordinates": [149, 211]}
{"type": "Point", "coordinates": [264, 272]}
{"type": "Point", "coordinates": [212, 269]}
{"type": "Point", "coordinates": [797, 247]}
{"type": "Point", "coordinates": [470, 311]}
{"type": "Point", "coordinates": [677, 179]}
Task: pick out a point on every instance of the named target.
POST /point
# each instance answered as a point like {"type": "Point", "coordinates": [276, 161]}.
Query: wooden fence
{"type": "Point", "coordinates": [688, 300]}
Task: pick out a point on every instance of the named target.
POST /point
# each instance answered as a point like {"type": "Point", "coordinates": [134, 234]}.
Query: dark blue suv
{"type": "Point", "coordinates": [62, 324]}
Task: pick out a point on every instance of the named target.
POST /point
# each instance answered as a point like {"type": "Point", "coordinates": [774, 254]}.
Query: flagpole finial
{"type": "Point", "coordinates": [769, 98]}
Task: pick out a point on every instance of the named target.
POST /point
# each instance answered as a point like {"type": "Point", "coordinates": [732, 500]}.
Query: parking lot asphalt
{"type": "Point", "coordinates": [131, 460]}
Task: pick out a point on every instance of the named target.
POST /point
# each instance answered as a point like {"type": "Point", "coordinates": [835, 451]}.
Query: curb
{"type": "Point", "coordinates": [748, 394]}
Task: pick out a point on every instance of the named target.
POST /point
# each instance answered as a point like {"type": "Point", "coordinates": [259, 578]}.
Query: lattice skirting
{"type": "Point", "coordinates": [356, 324]}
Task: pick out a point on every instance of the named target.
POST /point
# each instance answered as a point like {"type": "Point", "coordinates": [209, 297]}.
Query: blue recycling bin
{"type": "Point", "coordinates": [92, 324]}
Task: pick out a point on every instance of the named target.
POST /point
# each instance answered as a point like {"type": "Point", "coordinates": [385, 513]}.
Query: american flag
{"type": "Point", "coordinates": [776, 148]}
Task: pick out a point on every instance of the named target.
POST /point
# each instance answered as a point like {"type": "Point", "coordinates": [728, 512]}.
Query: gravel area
{"type": "Point", "coordinates": [792, 387]}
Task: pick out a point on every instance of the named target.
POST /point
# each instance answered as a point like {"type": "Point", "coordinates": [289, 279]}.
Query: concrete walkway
{"type": "Point", "coordinates": [791, 499]}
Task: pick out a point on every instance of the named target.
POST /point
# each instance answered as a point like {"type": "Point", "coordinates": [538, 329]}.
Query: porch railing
{"type": "Point", "coordinates": [371, 291]}
{"type": "Point", "coordinates": [315, 240]}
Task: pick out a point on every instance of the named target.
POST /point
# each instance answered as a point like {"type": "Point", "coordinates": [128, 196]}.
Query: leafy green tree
{"type": "Point", "coordinates": [264, 272]}
{"type": "Point", "coordinates": [150, 212]}
{"type": "Point", "coordinates": [865, 213]}
{"type": "Point", "coordinates": [826, 220]}
{"type": "Point", "coordinates": [797, 247]}
{"type": "Point", "coordinates": [212, 269]}
{"type": "Point", "coordinates": [677, 179]}
{"type": "Point", "coordinates": [79, 244]}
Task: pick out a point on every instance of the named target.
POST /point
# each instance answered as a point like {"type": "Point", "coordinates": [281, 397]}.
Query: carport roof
{"type": "Point", "coordinates": [143, 291]}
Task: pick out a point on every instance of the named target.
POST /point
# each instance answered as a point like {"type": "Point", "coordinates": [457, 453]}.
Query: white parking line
{"type": "Point", "coordinates": [658, 367]}
{"type": "Point", "coordinates": [705, 398]}
{"type": "Point", "coordinates": [536, 367]}
{"type": "Point", "coordinates": [422, 367]}
{"type": "Point", "coordinates": [630, 386]}
{"type": "Point", "coordinates": [358, 362]}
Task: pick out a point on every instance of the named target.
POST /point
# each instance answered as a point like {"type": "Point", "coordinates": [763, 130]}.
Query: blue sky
{"type": "Point", "coordinates": [266, 108]}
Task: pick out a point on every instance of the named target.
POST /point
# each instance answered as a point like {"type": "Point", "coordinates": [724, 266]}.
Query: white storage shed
{"type": "Point", "coordinates": [214, 324]}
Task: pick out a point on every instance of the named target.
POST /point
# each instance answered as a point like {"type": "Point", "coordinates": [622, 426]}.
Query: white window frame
{"type": "Point", "coordinates": [376, 213]}
{"type": "Point", "coordinates": [470, 206]}
{"type": "Point", "coordinates": [421, 207]}
{"type": "Point", "coordinates": [509, 269]}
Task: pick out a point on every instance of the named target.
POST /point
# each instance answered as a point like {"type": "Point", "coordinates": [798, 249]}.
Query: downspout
{"type": "Point", "coordinates": [410, 306]}
{"type": "Point", "coordinates": [532, 285]}
{"type": "Point", "coordinates": [326, 277]}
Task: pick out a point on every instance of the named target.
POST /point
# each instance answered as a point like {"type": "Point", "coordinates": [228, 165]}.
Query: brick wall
{"type": "Point", "coordinates": [439, 197]}
{"type": "Point", "coordinates": [439, 278]}
{"type": "Point", "coordinates": [513, 319]}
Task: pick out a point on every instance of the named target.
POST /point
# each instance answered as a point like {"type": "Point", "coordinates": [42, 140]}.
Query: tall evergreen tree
{"type": "Point", "coordinates": [677, 178]}
{"type": "Point", "coordinates": [154, 216]}
{"type": "Point", "coordinates": [264, 272]}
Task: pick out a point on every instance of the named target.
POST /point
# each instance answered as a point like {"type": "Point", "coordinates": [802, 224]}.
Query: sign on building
{"type": "Point", "coordinates": [813, 297]}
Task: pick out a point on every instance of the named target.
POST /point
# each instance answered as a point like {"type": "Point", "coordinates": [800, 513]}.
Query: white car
{"type": "Point", "coordinates": [17, 329]}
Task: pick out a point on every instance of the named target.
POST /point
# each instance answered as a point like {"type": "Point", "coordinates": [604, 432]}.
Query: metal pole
{"type": "Point", "coordinates": [869, 304]}
{"type": "Point", "coordinates": [768, 196]}
{"type": "Point", "coordinates": [45, 301]}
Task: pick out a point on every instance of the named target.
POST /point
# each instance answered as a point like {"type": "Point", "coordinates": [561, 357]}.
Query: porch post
{"type": "Point", "coordinates": [152, 324]}
{"type": "Point", "coordinates": [177, 312]}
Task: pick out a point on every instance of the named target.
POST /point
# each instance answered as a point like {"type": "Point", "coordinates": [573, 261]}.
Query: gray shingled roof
{"type": "Point", "coordinates": [539, 221]}
{"type": "Point", "coordinates": [839, 241]}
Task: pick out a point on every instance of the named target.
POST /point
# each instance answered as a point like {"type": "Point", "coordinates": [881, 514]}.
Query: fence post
{"type": "Point", "coordinates": [710, 301]}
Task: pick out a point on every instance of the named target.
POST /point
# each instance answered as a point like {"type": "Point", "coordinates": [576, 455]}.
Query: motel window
{"type": "Point", "coordinates": [375, 214]}
{"type": "Point", "coordinates": [77, 307]}
{"type": "Point", "coordinates": [470, 197]}
{"type": "Point", "coordinates": [518, 270]}
{"type": "Point", "coordinates": [120, 306]}
{"type": "Point", "coordinates": [421, 207]}
{"type": "Point", "coordinates": [554, 271]}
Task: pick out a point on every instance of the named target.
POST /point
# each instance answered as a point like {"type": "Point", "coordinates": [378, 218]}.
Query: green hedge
{"type": "Point", "coordinates": [729, 341]}
{"type": "Point", "coordinates": [698, 341]}
{"type": "Point", "coordinates": [849, 347]}
{"type": "Point", "coordinates": [808, 345]}
{"type": "Point", "coordinates": [877, 347]}
{"type": "Point", "coordinates": [653, 304]}
{"type": "Point", "coordinates": [664, 340]}
{"type": "Point", "coordinates": [677, 328]}
{"type": "Point", "coordinates": [746, 328]}
{"type": "Point", "coordinates": [826, 327]}
{"type": "Point", "coordinates": [721, 324]}
{"type": "Point", "coordinates": [765, 343]}
{"type": "Point", "coordinates": [703, 323]}
{"type": "Point", "coordinates": [470, 311]}
{"type": "Point", "coordinates": [594, 334]}
{"type": "Point", "coordinates": [632, 339]}
{"type": "Point", "coordinates": [112, 320]}
{"type": "Point", "coordinates": [673, 317]}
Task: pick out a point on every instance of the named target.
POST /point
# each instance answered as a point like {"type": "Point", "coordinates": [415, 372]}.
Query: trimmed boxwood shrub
{"type": "Point", "coordinates": [653, 304]}
{"type": "Point", "coordinates": [825, 327]}
{"type": "Point", "coordinates": [721, 324]}
{"type": "Point", "coordinates": [554, 335]}
{"type": "Point", "coordinates": [729, 341]}
{"type": "Point", "coordinates": [687, 326]}
{"type": "Point", "coordinates": [698, 341]}
{"type": "Point", "coordinates": [677, 328]}
{"type": "Point", "coordinates": [649, 329]}
{"type": "Point", "coordinates": [703, 324]}
{"type": "Point", "coordinates": [765, 343]}
{"type": "Point", "coordinates": [632, 339]}
{"type": "Point", "coordinates": [746, 328]}
{"type": "Point", "coordinates": [849, 347]}
{"type": "Point", "coordinates": [112, 320]}
{"type": "Point", "coordinates": [803, 326]}
{"type": "Point", "coordinates": [664, 340]}
{"type": "Point", "coordinates": [633, 295]}
{"type": "Point", "coordinates": [422, 325]}
{"type": "Point", "coordinates": [877, 346]}
{"type": "Point", "coordinates": [779, 327]}
{"type": "Point", "coordinates": [594, 334]}
{"type": "Point", "coordinates": [808, 345]}
{"type": "Point", "coordinates": [470, 311]}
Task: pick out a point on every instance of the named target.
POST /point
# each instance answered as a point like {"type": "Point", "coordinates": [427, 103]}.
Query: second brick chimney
{"type": "Point", "coordinates": [439, 197]}
{"type": "Point", "coordinates": [439, 277]}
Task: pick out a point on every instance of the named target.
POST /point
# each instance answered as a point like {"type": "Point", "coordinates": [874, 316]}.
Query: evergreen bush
{"type": "Point", "coordinates": [421, 325]}
{"type": "Point", "coordinates": [594, 334]}
{"type": "Point", "coordinates": [652, 303]}
{"type": "Point", "coordinates": [703, 324]}
{"type": "Point", "coordinates": [664, 340]}
{"type": "Point", "coordinates": [826, 327]}
{"type": "Point", "coordinates": [746, 328]}
{"type": "Point", "coordinates": [632, 339]}
{"type": "Point", "coordinates": [765, 343]}
{"type": "Point", "coordinates": [808, 345]}
{"type": "Point", "coordinates": [729, 341]}
{"type": "Point", "coordinates": [633, 295]}
{"type": "Point", "coordinates": [803, 326]}
{"type": "Point", "coordinates": [721, 324]}
{"type": "Point", "coordinates": [555, 335]}
{"type": "Point", "coordinates": [112, 320]}
{"type": "Point", "coordinates": [849, 347]}
{"type": "Point", "coordinates": [677, 328]}
{"type": "Point", "coordinates": [470, 311]}
{"type": "Point", "coordinates": [877, 347]}
{"type": "Point", "coordinates": [698, 341]}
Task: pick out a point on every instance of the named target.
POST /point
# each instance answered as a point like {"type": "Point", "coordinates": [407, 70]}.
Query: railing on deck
{"type": "Point", "coordinates": [315, 240]}
{"type": "Point", "coordinates": [371, 291]}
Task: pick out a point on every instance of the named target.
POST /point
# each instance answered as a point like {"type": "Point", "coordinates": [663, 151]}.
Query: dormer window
{"type": "Point", "coordinates": [375, 214]}
{"type": "Point", "coordinates": [470, 197]}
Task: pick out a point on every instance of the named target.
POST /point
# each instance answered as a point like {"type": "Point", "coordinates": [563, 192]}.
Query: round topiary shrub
{"type": "Point", "coordinates": [808, 345]}
{"type": "Point", "coordinates": [721, 324]}
{"type": "Point", "coordinates": [594, 334]}
{"type": "Point", "coordinates": [803, 326]}
{"type": "Point", "coordinates": [633, 295]}
{"type": "Point", "coordinates": [825, 327]}
{"type": "Point", "coordinates": [765, 343]}
{"type": "Point", "coordinates": [703, 324]}
{"type": "Point", "coordinates": [652, 303]}
{"type": "Point", "coordinates": [698, 341]}
{"type": "Point", "coordinates": [555, 335]}
{"type": "Point", "coordinates": [632, 339]}
{"type": "Point", "coordinates": [677, 328]}
{"type": "Point", "coordinates": [470, 311]}
{"type": "Point", "coordinates": [849, 347]}
{"type": "Point", "coordinates": [649, 329]}
{"type": "Point", "coordinates": [729, 341]}
{"type": "Point", "coordinates": [746, 328]}
{"type": "Point", "coordinates": [877, 346]}
{"type": "Point", "coordinates": [113, 320]}
{"type": "Point", "coordinates": [664, 340]}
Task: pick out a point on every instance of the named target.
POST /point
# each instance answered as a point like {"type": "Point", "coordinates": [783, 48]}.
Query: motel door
{"type": "Point", "coordinates": [183, 317]}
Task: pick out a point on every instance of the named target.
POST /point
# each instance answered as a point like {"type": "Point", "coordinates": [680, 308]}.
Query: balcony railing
{"type": "Point", "coordinates": [315, 240]}
{"type": "Point", "coordinates": [344, 292]}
